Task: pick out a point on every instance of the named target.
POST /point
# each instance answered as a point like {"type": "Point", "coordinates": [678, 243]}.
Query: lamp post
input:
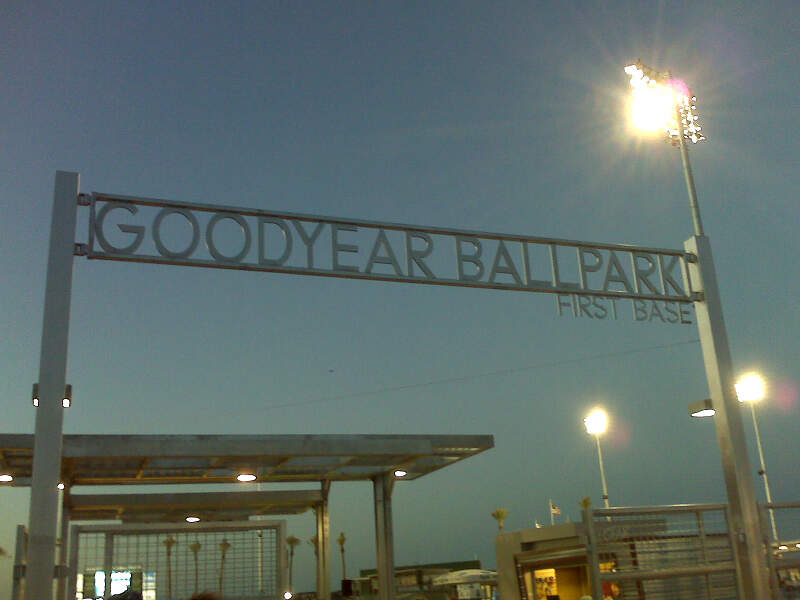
{"type": "Point", "coordinates": [596, 423]}
{"type": "Point", "coordinates": [750, 390]}
{"type": "Point", "coordinates": [662, 103]}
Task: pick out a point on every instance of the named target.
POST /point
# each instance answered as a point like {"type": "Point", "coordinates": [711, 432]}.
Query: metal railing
{"type": "Point", "coordinates": [677, 552]}
{"type": "Point", "coordinates": [783, 559]}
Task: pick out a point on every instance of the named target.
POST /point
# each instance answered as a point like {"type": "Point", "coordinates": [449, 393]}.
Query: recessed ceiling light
{"type": "Point", "coordinates": [192, 519]}
{"type": "Point", "coordinates": [246, 477]}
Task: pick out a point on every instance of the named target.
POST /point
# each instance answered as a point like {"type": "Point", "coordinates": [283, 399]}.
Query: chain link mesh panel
{"type": "Point", "coordinates": [237, 562]}
{"type": "Point", "coordinates": [645, 554]}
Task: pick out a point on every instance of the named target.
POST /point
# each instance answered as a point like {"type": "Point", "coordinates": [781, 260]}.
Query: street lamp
{"type": "Point", "coordinates": [596, 423]}
{"type": "Point", "coordinates": [750, 390]}
{"type": "Point", "coordinates": [670, 107]}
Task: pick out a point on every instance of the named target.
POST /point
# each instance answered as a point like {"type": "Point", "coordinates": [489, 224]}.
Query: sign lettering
{"type": "Point", "coordinates": [586, 278]}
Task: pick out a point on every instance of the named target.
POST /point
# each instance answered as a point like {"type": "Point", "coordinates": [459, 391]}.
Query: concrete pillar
{"type": "Point", "coordinates": [384, 538]}
{"type": "Point", "coordinates": [323, 545]}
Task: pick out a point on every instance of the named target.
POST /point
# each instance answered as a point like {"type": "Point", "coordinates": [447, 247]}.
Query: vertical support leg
{"type": "Point", "coordinates": [325, 541]}
{"type": "Point", "coordinates": [61, 582]}
{"type": "Point", "coordinates": [74, 549]}
{"type": "Point", "coordinates": [591, 549]}
{"type": "Point", "coordinates": [20, 560]}
{"type": "Point", "coordinates": [384, 539]}
{"type": "Point", "coordinates": [323, 545]}
{"type": "Point", "coordinates": [108, 564]}
{"type": "Point", "coordinates": [751, 560]}
{"type": "Point", "coordinates": [282, 584]}
{"type": "Point", "coordinates": [52, 382]}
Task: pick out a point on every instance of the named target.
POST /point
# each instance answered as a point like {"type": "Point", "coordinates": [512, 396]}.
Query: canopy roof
{"type": "Point", "coordinates": [174, 459]}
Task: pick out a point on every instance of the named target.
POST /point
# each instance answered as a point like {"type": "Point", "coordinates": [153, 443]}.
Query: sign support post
{"type": "Point", "coordinates": [46, 473]}
{"type": "Point", "coordinates": [730, 431]}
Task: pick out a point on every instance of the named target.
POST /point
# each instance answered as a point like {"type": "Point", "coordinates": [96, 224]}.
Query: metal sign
{"type": "Point", "coordinates": [159, 231]}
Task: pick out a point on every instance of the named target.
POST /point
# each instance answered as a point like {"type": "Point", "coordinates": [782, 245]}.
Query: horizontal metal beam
{"type": "Point", "coordinates": [648, 510]}
{"type": "Point", "coordinates": [198, 500]}
{"type": "Point", "coordinates": [381, 277]}
{"type": "Point", "coordinates": [644, 574]}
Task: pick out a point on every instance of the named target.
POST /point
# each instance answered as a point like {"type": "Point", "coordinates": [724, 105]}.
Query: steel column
{"type": "Point", "coordinates": [323, 545]}
{"type": "Point", "coordinates": [20, 561]}
{"type": "Point", "coordinates": [384, 538]}
{"type": "Point", "coordinates": [592, 553]}
{"type": "Point", "coordinates": [74, 540]}
{"type": "Point", "coordinates": [280, 548]}
{"type": "Point", "coordinates": [728, 422]}
{"type": "Point", "coordinates": [108, 565]}
{"type": "Point", "coordinates": [602, 472]}
{"type": "Point", "coordinates": [61, 582]}
{"type": "Point", "coordinates": [52, 381]}
{"type": "Point", "coordinates": [763, 472]}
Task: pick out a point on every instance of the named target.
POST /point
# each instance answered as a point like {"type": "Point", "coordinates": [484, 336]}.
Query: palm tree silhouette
{"type": "Point", "coordinates": [292, 542]}
{"type": "Point", "coordinates": [342, 539]}
{"type": "Point", "coordinates": [223, 547]}
{"type": "Point", "coordinates": [500, 514]}
{"type": "Point", "coordinates": [168, 544]}
{"type": "Point", "coordinates": [195, 548]}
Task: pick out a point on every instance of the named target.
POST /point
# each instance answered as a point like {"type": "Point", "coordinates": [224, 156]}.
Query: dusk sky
{"type": "Point", "coordinates": [504, 117]}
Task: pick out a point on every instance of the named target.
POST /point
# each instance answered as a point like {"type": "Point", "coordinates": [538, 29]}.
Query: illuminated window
{"type": "Point", "coordinates": [120, 581]}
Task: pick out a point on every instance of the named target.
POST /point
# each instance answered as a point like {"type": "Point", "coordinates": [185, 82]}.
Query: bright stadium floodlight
{"type": "Point", "coordinates": [653, 92]}
{"type": "Point", "coordinates": [750, 388]}
{"type": "Point", "coordinates": [596, 422]}
{"type": "Point", "coordinates": [663, 103]}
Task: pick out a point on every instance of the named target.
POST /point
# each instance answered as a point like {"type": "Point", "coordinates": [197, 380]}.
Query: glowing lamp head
{"type": "Point", "coordinates": [750, 388]}
{"type": "Point", "coordinates": [245, 477]}
{"type": "Point", "coordinates": [662, 104]}
{"type": "Point", "coordinates": [192, 519]}
{"type": "Point", "coordinates": [287, 595]}
{"type": "Point", "coordinates": [400, 473]}
{"type": "Point", "coordinates": [596, 422]}
{"type": "Point", "coordinates": [60, 486]}
{"type": "Point", "coordinates": [653, 107]}
{"type": "Point", "coordinates": [6, 478]}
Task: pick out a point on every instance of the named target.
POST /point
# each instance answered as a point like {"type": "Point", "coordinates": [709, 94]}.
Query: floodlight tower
{"type": "Point", "coordinates": [663, 103]}
{"type": "Point", "coordinates": [750, 390]}
{"type": "Point", "coordinates": [596, 423]}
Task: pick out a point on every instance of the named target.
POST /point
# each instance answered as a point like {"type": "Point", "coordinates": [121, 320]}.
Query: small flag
{"type": "Point", "coordinates": [554, 510]}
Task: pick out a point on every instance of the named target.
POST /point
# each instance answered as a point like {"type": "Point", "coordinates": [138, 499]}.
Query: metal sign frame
{"type": "Point", "coordinates": [648, 274]}
{"type": "Point", "coordinates": [697, 266]}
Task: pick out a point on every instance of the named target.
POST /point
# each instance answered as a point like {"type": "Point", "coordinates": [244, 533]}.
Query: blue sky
{"type": "Point", "coordinates": [505, 117]}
